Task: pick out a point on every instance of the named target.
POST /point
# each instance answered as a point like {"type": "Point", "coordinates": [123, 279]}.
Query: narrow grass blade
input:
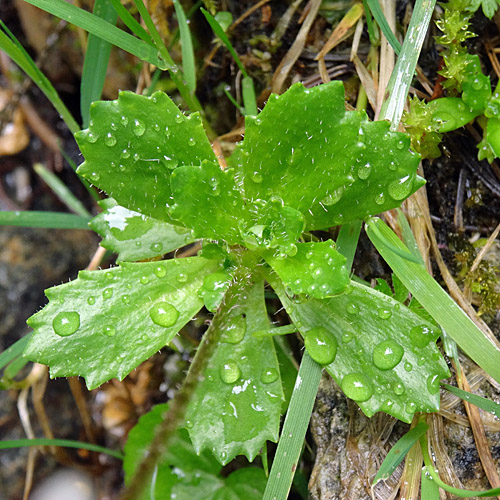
{"type": "Point", "coordinates": [347, 241]}
{"type": "Point", "coordinates": [66, 443]}
{"type": "Point", "coordinates": [294, 430]}
{"type": "Point", "coordinates": [249, 99]}
{"type": "Point", "coordinates": [399, 451]}
{"type": "Point", "coordinates": [50, 220]}
{"type": "Point", "coordinates": [377, 13]}
{"type": "Point", "coordinates": [428, 488]}
{"type": "Point", "coordinates": [10, 45]}
{"type": "Point", "coordinates": [13, 351]}
{"type": "Point", "coordinates": [403, 72]}
{"type": "Point", "coordinates": [96, 61]}
{"type": "Point", "coordinates": [434, 299]}
{"type": "Point", "coordinates": [480, 402]}
{"type": "Point", "coordinates": [62, 191]}
{"type": "Point", "coordinates": [131, 23]}
{"type": "Point", "coordinates": [14, 367]}
{"type": "Point", "coordinates": [100, 28]}
{"type": "Point", "coordinates": [188, 61]}
{"type": "Point", "coordinates": [408, 237]}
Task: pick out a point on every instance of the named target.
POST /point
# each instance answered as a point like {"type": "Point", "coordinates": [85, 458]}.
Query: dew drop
{"type": "Point", "coordinates": [109, 331]}
{"type": "Point", "coordinates": [433, 384]}
{"type": "Point", "coordinates": [178, 118]}
{"type": "Point", "coordinates": [269, 376]}
{"type": "Point", "coordinates": [144, 280]}
{"type": "Point", "coordinates": [66, 323]}
{"type": "Point", "coordinates": [399, 389]}
{"type": "Point", "coordinates": [333, 197]}
{"type": "Point", "coordinates": [257, 177]}
{"type": "Point", "coordinates": [408, 366]}
{"type": "Point", "coordinates": [400, 188]}
{"type": "Point", "coordinates": [110, 139]}
{"type": "Point", "coordinates": [364, 171]}
{"type": "Point", "coordinates": [380, 199]}
{"type": "Point", "coordinates": [91, 301]}
{"type": "Point", "coordinates": [387, 355]}
{"type": "Point", "coordinates": [160, 271]}
{"type": "Point", "coordinates": [400, 144]}
{"type": "Point", "coordinates": [352, 309]}
{"type": "Point", "coordinates": [384, 313]}
{"type": "Point", "coordinates": [94, 176]}
{"type": "Point", "coordinates": [107, 293]}
{"type": "Point", "coordinates": [410, 407]}
{"type": "Point", "coordinates": [189, 424]}
{"type": "Point", "coordinates": [124, 120]}
{"type": "Point", "coordinates": [138, 127]}
{"type": "Point", "coordinates": [182, 277]}
{"type": "Point", "coordinates": [477, 84]}
{"type": "Point", "coordinates": [347, 337]}
{"type": "Point", "coordinates": [126, 299]}
{"type": "Point", "coordinates": [235, 331]}
{"type": "Point", "coordinates": [321, 345]}
{"type": "Point", "coordinates": [125, 154]}
{"type": "Point", "coordinates": [164, 314]}
{"type": "Point", "coordinates": [192, 142]}
{"type": "Point", "coordinates": [421, 335]}
{"type": "Point", "coordinates": [156, 247]}
{"type": "Point", "coordinates": [91, 137]}
{"type": "Point", "coordinates": [357, 387]}
{"type": "Point", "coordinates": [229, 372]}
{"type": "Point", "coordinates": [392, 166]}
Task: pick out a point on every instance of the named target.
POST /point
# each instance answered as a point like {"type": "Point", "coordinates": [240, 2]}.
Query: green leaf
{"type": "Point", "coordinates": [399, 451]}
{"type": "Point", "coordinates": [183, 474]}
{"type": "Point", "coordinates": [317, 270]}
{"type": "Point", "coordinates": [386, 357]}
{"type": "Point", "coordinates": [236, 407]}
{"type": "Point", "coordinates": [476, 91]}
{"type": "Point", "coordinates": [134, 236]}
{"type": "Point", "coordinates": [450, 113]}
{"type": "Point", "coordinates": [134, 143]}
{"type": "Point", "coordinates": [105, 323]}
{"type": "Point", "coordinates": [331, 165]}
{"type": "Point", "coordinates": [206, 200]}
{"type": "Point", "coordinates": [489, 7]}
{"type": "Point", "coordinates": [493, 135]}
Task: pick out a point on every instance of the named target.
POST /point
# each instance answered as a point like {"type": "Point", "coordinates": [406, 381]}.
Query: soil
{"type": "Point", "coordinates": [344, 447]}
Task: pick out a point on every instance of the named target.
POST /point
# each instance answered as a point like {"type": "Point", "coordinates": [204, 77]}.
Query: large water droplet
{"type": "Point", "coordinates": [321, 345]}
{"type": "Point", "coordinates": [156, 247]}
{"type": "Point", "coordinates": [421, 335]}
{"type": "Point", "coordinates": [229, 372]}
{"type": "Point", "coordinates": [387, 355]}
{"type": "Point", "coordinates": [364, 171]}
{"type": "Point", "coordinates": [107, 293]}
{"type": "Point", "coordinates": [110, 139]}
{"type": "Point", "coordinates": [138, 127]}
{"type": "Point", "coordinates": [384, 313]}
{"type": "Point", "coordinates": [333, 197]}
{"type": "Point", "coordinates": [352, 309]}
{"type": "Point", "coordinates": [400, 188]}
{"type": "Point", "coordinates": [66, 323]}
{"type": "Point", "coordinates": [269, 376]}
{"type": "Point", "coordinates": [357, 387]}
{"type": "Point", "coordinates": [160, 271]}
{"type": "Point", "coordinates": [235, 331]}
{"type": "Point", "coordinates": [164, 314]}
{"type": "Point", "coordinates": [433, 384]}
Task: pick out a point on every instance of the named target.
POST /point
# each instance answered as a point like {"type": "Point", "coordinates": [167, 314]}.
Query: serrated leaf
{"type": "Point", "coordinates": [105, 323]}
{"type": "Point", "coordinates": [317, 270]}
{"type": "Point", "coordinates": [206, 200]}
{"type": "Point", "coordinates": [236, 407]}
{"type": "Point", "coordinates": [476, 91]}
{"type": "Point", "coordinates": [450, 113]}
{"type": "Point", "coordinates": [134, 143]}
{"type": "Point", "coordinates": [331, 165]}
{"type": "Point", "coordinates": [182, 473]}
{"type": "Point", "coordinates": [372, 332]}
{"type": "Point", "coordinates": [134, 236]}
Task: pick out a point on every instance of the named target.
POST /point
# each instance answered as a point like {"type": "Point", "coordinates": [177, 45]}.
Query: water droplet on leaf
{"type": "Point", "coordinates": [109, 331]}
{"type": "Point", "coordinates": [421, 335]}
{"type": "Point", "coordinates": [229, 372]}
{"type": "Point", "coordinates": [110, 139]}
{"type": "Point", "coordinates": [400, 188]}
{"type": "Point", "coordinates": [91, 301]}
{"type": "Point", "coordinates": [433, 384]}
{"type": "Point", "coordinates": [357, 387]}
{"type": "Point", "coordinates": [269, 376]}
{"type": "Point", "coordinates": [321, 345]}
{"type": "Point", "coordinates": [107, 293]}
{"type": "Point", "coordinates": [66, 323]}
{"type": "Point", "coordinates": [160, 271]}
{"type": "Point", "coordinates": [138, 127]}
{"type": "Point", "coordinates": [164, 314]}
{"type": "Point", "coordinates": [387, 355]}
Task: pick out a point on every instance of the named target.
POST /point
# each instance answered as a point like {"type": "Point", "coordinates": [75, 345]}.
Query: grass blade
{"type": "Point", "coordinates": [249, 99]}
{"type": "Point", "coordinates": [101, 28]}
{"type": "Point", "coordinates": [377, 13]}
{"type": "Point", "coordinates": [429, 489]}
{"type": "Point", "coordinates": [402, 75]}
{"type": "Point", "coordinates": [96, 61]}
{"type": "Point", "coordinates": [131, 23]}
{"type": "Point", "coordinates": [188, 61]}
{"type": "Point", "coordinates": [50, 220]}
{"type": "Point", "coordinates": [347, 241]}
{"type": "Point", "coordinates": [16, 52]}
{"type": "Point", "coordinates": [13, 351]}
{"type": "Point", "coordinates": [480, 402]}
{"type": "Point", "coordinates": [62, 191]}
{"type": "Point", "coordinates": [399, 451]}
{"type": "Point", "coordinates": [294, 430]}
{"type": "Point", "coordinates": [434, 299]}
{"type": "Point", "coordinates": [66, 443]}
